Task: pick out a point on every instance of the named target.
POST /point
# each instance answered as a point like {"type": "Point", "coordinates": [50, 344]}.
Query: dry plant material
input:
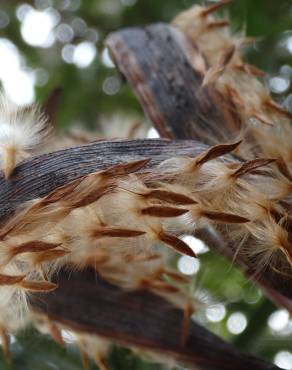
{"type": "Point", "coordinates": [122, 219]}
{"type": "Point", "coordinates": [22, 130]}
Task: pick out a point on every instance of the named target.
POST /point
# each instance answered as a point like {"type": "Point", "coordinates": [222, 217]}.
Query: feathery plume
{"type": "Point", "coordinates": [22, 131]}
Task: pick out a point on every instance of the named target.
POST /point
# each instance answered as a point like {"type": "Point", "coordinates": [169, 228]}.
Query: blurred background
{"type": "Point", "coordinates": [56, 48]}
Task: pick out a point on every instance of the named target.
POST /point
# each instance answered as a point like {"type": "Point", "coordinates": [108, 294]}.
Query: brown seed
{"type": "Point", "coordinates": [177, 244]}
{"type": "Point", "coordinates": [50, 255]}
{"type": "Point", "coordinates": [188, 311]}
{"type": "Point", "coordinates": [226, 56]}
{"type": "Point", "coordinates": [277, 108]}
{"type": "Point", "coordinates": [84, 359]}
{"type": "Point", "coordinates": [10, 280]}
{"type": "Point", "coordinates": [217, 24]}
{"type": "Point", "coordinates": [33, 246]}
{"type": "Point", "coordinates": [92, 197]}
{"type": "Point", "coordinates": [61, 192]}
{"type": "Point", "coordinates": [250, 166]}
{"type": "Point", "coordinates": [161, 211]}
{"type": "Point", "coordinates": [217, 70]}
{"type": "Point", "coordinates": [215, 152]}
{"type": "Point", "coordinates": [101, 362]}
{"type": "Point", "coordinates": [283, 168]}
{"type": "Point", "coordinates": [170, 197]}
{"type": "Point", "coordinates": [56, 333]}
{"type": "Point", "coordinates": [126, 168]}
{"type": "Point", "coordinates": [38, 286]}
{"type": "Point", "coordinates": [163, 286]}
{"type": "Point", "coordinates": [250, 69]}
{"type": "Point", "coordinates": [98, 258]}
{"type": "Point", "coordinates": [116, 233]}
{"type": "Point", "coordinates": [224, 217]}
{"type": "Point", "coordinates": [5, 341]}
{"type": "Point", "coordinates": [141, 258]}
{"type": "Point", "coordinates": [234, 96]}
{"type": "Point", "coordinates": [214, 8]}
{"type": "Point", "coordinates": [175, 276]}
{"type": "Point", "coordinates": [287, 252]}
{"type": "Point", "coordinates": [262, 118]}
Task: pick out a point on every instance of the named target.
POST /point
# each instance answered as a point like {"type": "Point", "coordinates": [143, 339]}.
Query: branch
{"type": "Point", "coordinates": [156, 63]}
{"type": "Point", "coordinates": [86, 303]}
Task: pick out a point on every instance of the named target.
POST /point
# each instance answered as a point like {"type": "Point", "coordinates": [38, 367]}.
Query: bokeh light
{"type": "Point", "coordinates": [68, 336]}
{"type": "Point", "coordinates": [152, 133]}
{"type": "Point", "coordinates": [106, 59]}
{"type": "Point", "coordinates": [64, 33]}
{"type": "Point", "coordinates": [279, 84]}
{"type": "Point", "coordinates": [236, 323]}
{"type": "Point", "coordinates": [283, 359]}
{"type": "Point", "coordinates": [84, 54]}
{"type": "Point", "coordinates": [188, 265]}
{"type": "Point", "coordinates": [13, 73]}
{"type": "Point", "coordinates": [278, 320]}
{"type": "Point", "coordinates": [111, 85]}
{"type": "Point", "coordinates": [4, 19]}
{"type": "Point", "coordinates": [37, 27]}
{"type": "Point", "coordinates": [197, 245]}
{"type": "Point", "coordinates": [215, 313]}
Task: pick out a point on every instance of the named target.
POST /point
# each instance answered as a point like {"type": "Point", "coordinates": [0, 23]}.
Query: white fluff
{"type": "Point", "coordinates": [22, 130]}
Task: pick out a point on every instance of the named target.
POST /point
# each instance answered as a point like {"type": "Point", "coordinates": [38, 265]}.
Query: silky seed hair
{"type": "Point", "coordinates": [125, 222]}
{"type": "Point", "coordinates": [22, 131]}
